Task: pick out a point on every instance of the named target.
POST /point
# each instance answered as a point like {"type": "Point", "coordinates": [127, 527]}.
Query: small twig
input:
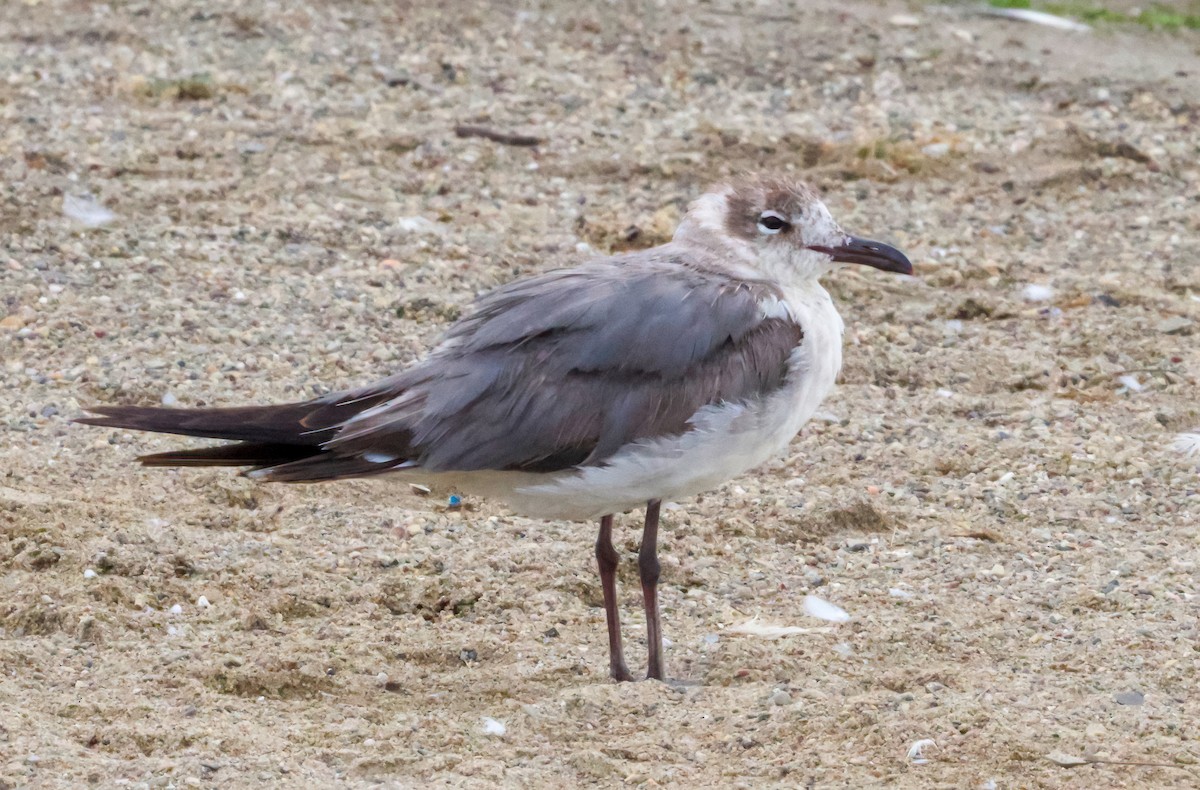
{"type": "Point", "coordinates": [1159, 371]}
{"type": "Point", "coordinates": [1071, 761]}
{"type": "Point", "coordinates": [1094, 760]}
{"type": "Point", "coordinates": [504, 138]}
{"type": "Point", "coordinates": [755, 17]}
{"type": "Point", "coordinates": [1120, 150]}
{"type": "Point", "coordinates": [983, 534]}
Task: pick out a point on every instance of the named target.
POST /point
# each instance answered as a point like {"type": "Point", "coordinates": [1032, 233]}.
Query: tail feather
{"type": "Point", "coordinates": [263, 436]}
{"type": "Point", "coordinates": [289, 438]}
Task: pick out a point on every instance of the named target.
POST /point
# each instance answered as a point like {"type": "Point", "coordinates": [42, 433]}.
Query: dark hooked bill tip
{"type": "Point", "coordinates": [871, 253]}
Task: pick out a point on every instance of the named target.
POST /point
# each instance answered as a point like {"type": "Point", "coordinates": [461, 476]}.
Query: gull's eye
{"type": "Point", "coordinates": [771, 222]}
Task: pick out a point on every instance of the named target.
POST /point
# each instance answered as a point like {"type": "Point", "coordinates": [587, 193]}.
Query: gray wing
{"type": "Point", "coordinates": [563, 369]}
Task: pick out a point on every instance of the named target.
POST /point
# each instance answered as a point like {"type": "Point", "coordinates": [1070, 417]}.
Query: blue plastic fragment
{"type": "Point", "coordinates": [455, 500]}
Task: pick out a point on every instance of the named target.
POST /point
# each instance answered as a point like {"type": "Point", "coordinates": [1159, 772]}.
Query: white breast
{"type": "Point", "coordinates": [728, 439]}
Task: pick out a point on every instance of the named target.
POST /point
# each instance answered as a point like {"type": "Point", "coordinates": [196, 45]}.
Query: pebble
{"type": "Point", "coordinates": [1175, 325]}
{"type": "Point", "coordinates": [1130, 698]}
{"type": "Point", "coordinates": [780, 698]}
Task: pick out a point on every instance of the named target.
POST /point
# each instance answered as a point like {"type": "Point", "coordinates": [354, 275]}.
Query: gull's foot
{"type": "Point", "coordinates": [620, 673]}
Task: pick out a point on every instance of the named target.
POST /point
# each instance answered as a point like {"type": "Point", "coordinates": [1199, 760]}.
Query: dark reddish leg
{"type": "Point", "coordinates": [649, 569]}
{"type": "Point", "coordinates": [607, 559]}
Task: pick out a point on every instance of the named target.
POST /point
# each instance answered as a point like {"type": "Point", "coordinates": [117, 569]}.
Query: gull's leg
{"type": "Point", "coordinates": [649, 569]}
{"type": "Point", "coordinates": [607, 558]}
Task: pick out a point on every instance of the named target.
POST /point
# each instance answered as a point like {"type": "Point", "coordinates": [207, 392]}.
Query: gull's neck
{"type": "Point", "coordinates": [709, 244]}
{"type": "Point", "coordinates": [744, 262]}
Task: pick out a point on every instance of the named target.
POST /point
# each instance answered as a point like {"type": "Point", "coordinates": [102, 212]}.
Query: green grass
{"type": "Point", "coordinates": [1156, 16]}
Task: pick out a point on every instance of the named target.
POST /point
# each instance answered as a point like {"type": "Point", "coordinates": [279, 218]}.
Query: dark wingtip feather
{"type": "Point", "coordinates": [142, 418]}
{"type": "Point", "coordinates": [111, 416]}
{"type": "Point", "coordinates": [256, 454]}
{"type": "Point", "coordinates": [280, 424]}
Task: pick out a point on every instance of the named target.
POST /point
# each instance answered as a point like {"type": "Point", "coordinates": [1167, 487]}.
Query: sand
{"type": "Point", "coordinates": [991, 493]}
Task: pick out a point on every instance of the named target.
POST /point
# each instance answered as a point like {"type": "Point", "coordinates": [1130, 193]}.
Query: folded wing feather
{"type": "Point", "coordinates": [548, 373]}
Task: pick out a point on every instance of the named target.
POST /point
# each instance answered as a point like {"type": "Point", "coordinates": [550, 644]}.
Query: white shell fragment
{"type": "Point", "coordinates": [916, 752]}
{"type": "Point", "coordinates": [1187, 443]}
{"type": "Point", "coordinates": [824, 610]}
{"type": "Point", "coordinates": [1037, 293]}
{"type": "Point", "coordinates": [755, 627]}
{"type": "Point", "coordinates": [493, 727]}
{"type": "Point", "coordinates": [1130, 383]}
{"type": "Point", "coordinates": [418, 225]}
{"type": "Point", "coordinates": [1038, 18]}
{"type": "Point", "coordinates": [86, 211]}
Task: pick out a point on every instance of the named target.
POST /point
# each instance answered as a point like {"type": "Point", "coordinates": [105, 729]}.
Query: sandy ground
{"type": "Point", "coordinates": [997, 508]}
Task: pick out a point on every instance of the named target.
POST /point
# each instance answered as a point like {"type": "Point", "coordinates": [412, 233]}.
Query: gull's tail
{"type": "Point", "coordinates": [264, 437]}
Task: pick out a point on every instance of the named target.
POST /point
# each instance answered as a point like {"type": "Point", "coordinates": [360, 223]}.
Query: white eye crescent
{"type": "Point", "coordinates": [772, 222]}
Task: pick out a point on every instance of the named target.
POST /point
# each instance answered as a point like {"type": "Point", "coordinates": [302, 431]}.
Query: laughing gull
{"type": "Point", "coordinates": [580, 393]}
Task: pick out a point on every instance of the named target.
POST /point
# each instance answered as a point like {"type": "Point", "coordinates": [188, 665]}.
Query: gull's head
{"type": "Point", "coordinates": [781, 228]}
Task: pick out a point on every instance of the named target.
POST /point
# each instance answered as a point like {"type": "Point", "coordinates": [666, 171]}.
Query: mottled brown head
{"type": "Point", "coordinates": [783, 229]}
{"type": "Point", "coordinates": [761, 209]}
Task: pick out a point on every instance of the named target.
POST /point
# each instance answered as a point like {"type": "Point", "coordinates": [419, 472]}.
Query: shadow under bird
{"type": "Point", "coordinates": [585, 392]}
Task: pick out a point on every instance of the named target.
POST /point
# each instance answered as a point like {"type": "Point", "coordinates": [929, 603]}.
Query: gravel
{"type": "Point", "coordinates": [226, 203]}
